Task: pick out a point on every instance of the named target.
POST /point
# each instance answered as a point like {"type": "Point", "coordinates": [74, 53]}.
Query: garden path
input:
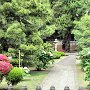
{"type": "Point", "coordinates": [63, 74]}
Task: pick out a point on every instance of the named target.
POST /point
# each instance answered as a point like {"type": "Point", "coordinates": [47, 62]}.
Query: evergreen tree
{"type": "Point", "coordinates": [82, 32]}
{"type": "Point", "coordinates": [65, 12]}
{"type": "Point", "coordinates": [24, 24]}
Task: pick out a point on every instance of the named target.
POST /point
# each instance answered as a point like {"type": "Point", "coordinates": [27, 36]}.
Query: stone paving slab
{"type": "Point", "coordinates": [63, 74]}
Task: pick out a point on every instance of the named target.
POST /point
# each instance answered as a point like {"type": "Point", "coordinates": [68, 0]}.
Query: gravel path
{"type": "Point", "coordinates": [63, 74]}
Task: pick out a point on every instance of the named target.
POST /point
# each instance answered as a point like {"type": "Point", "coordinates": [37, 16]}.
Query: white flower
{"type": "Point", "coordinates": [43, 52]}
{"type": "Point", "coordinates": [10, 57]}
{"type": "Point", "coordinates": [50, 54]}
{"type": "Point", "coordinates": [89, 53]}
{"type": "Point", "coordinates": [26, 70]}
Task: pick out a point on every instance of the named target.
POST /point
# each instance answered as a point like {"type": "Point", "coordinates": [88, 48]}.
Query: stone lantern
{"type": "Point", "coordinates": [55, 44]}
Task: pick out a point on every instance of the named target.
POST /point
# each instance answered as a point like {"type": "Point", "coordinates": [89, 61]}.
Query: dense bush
{"type": "Point", "coordinates": [48, 47]}
{"type": "Point", "coordinates": [85, 63]}
{"type": "Point", "coordinates": [5, 66]}
{"type": "Point", "coordinates": [57, 54]}
{"type": "Point", "coordinates": [85, 57]}
{"type": "Point", "coordinates": [38, 65]}
{"type": "Point", "coordinates": [87, 76]}
{"type": "Point", "coordinates": [15, 62]}
{"type": "Point", "coordinates": [15, 76]}
{"type": "Point", "coordinates": [29, 54]}
{"type": "Point", "coordinates": [43, 60]}
{"type": "Point", "coordinates": [62, 53]}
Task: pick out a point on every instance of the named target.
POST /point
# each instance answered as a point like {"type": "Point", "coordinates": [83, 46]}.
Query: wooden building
{"type": "Point", "coordinates": [57, 41]}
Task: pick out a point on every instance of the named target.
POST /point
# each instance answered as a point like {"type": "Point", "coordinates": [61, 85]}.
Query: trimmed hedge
{"type": "Point", "coordinates": [57, 55]}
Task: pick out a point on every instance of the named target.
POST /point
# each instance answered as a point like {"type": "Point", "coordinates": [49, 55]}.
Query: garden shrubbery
{"type": "Point", "coordinates": [15, 76]}
{"type": "Point", "coordinates": [82, 36]}
{"type": "Point", "coordinates": [5, 66]}
{"type": "Point", "coordinates": [85, 63]}
{"type": "Point", "coordinates": [57, 55]}
{"type": "Point", "coordinates": [15, 62]}
{"type": "Point", "coordinates": [43, 60]}
{"type": "Point", "coordinates": [85, 57]}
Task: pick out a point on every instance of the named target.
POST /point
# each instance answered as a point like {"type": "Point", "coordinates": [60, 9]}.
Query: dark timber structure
{"type": "Point", "coordinates": [62, 43]}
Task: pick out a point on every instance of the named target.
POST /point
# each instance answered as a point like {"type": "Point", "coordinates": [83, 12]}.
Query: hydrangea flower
{"type": "Point", "coordinates": [4, 58]}
{"type": "Point", "coordinates": [5, 67]}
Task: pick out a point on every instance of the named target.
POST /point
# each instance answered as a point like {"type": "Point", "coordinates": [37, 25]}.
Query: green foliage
{"type": "Point", "coordinates": [84, 56]}
{"type": "Point", "coordinates": [84, 53]}
{"type": "Point", "coordinates": [62, 53]}
{"type": "Point", "coordinates": [28, 54]}
{"type": "Point", "coordinates": [82, 32]}
{"type": "Point", "coordinates": [11, 50]}
{"type": "Point", "coordinates": [23, 25]}
{"type": "Point", "coordinates": [48, 31]}
{"type": "Point", "coordinates": [35, 39]}
{"type": "Point", "coordinates": [15, 33]}
{"type": "Point", "coordinates": [38, 64]}
{"type": "Point", "coordinates": [15, 62]}
{"type": "Point", "coordinates": [48, 47]}
{"type": "Point", "coordinates": [87, 71]}
{"type": "Point", "coordinates": [57, 55]}
{"type": "Point", "coordinates": [1, 33]}
{"type": "Point", "coordinates": [65, 12]}
{"type": "Point", "coordinates": [15, 76]}
{"type": "Point", "coordinates": [43, 60]}
{"type": "Point", "coordinates": [28, 48]}
{"type": "Point", "coordinates": [82, 35]}
{"type": "Point", "coordinates": [85, 63]}
{"type": "Point", "coordinates": [31, 53]}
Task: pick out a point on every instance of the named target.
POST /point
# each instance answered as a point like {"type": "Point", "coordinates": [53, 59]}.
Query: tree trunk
{"type": "Point", "coordinates": [66, 41]}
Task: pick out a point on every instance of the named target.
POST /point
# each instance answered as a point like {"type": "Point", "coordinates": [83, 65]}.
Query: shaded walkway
{"type": "Point", "coordinates": [63, 74]}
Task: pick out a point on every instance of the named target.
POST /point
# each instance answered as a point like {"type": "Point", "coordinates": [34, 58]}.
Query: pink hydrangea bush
{"type": "Point", "coordinates": [4, 58]}
{"type": "Point", "coordinates": [5, 65]}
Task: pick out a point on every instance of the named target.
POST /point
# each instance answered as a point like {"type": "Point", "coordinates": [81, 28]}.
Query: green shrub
{"type": "Point", "coordinates": [84, 53]}
{"type": "Point", "coordinates": [15, 76]}
{"type": "Point", "coordinates": [39, 65]}
{"type": "Point", "coordinates": [43, 60]}
{"type": "Point", "coordinates": [62, 53]}
{"type": "Point", "coordinates": [87, 72]}
{"type": "Point", "coordinates": [57, 54]}
{"type": "Point", "coordinates": [85, 63]}
{"type": "Point", "coordinates": [48, 47]}
{"type": "Point", "coordinates": [15, 62]}
{"type": "Point", "coordinates": [11, 50]}
{"type": "Point", "coordinates": [7, 53]}
{"type": "Point", "coordinates": [84, 56]}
